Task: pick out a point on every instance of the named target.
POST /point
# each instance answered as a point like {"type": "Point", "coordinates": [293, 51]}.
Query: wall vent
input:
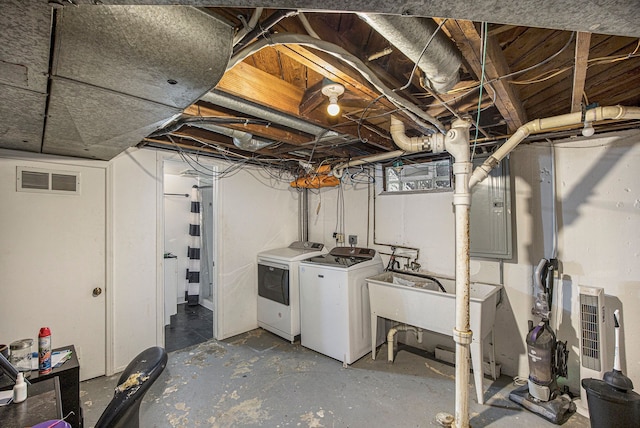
{"type": "Point", "coordinates": [47, 181]}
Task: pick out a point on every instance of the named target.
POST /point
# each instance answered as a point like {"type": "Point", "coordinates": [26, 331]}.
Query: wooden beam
{"type": "Point", "coordinates": [322, 65]}
{"type": "Point", "coordinates": [250, 83]}
{"type": "Point", "coordinates": [468, 40]}
{"type": "Point", "coordinates": [583, 42]}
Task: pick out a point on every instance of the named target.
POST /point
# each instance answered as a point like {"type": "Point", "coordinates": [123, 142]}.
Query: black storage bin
{"type": "Point", "coordinates": [609, 407]}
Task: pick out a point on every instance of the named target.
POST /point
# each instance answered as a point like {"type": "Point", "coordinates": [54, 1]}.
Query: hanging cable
{"type": "Point", "coordinates": [484, 60]}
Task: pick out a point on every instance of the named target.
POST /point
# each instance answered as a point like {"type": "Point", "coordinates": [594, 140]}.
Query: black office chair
{"type": "Point", "coordinates": [135, 381]}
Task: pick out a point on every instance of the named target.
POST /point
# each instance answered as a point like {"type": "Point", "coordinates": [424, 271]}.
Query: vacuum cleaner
{"type": "Point", "coordinates": [547, 357]}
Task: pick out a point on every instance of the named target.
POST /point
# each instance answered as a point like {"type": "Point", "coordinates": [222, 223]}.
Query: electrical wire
{"type": "Point", "coordinates": [485, 32]}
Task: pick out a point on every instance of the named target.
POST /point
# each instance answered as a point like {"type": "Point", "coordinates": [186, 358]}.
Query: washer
{"type": "Point", "coordinates": [335, 318]}
{"type": "Point", "coordinates": [278, 289]}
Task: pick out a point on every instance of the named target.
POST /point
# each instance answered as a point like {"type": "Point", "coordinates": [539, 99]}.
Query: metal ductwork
{"type": "Point", "coordinates": [241, 139]}
{"type": "Point", "coordinates": [224, 100]}
{"type": "Point", "coordinates": [441, 60]}
{"type": "Point", "coordinates": [118, 73]}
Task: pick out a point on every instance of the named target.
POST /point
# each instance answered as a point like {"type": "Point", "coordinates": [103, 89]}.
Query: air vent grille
{"type": "Point", "coordinates": [47, 181]}
{"type": "Point", "coordinates": [64, 182]}
{"type": "Point", "coordinates": [590, 332]}
{"type": "Point", "coordinates": [35, 180]}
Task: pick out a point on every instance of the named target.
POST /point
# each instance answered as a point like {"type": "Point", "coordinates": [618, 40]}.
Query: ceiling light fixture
{"type": "Point", "coordinates": [333, 91]}
{"type": "Point", "coordinates": [588, 130]}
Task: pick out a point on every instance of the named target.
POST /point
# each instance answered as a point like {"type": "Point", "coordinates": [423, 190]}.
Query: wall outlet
{"type": "Point", "coordinates": [353, 239]}
{"type": "Point", "coordinates": [340, 238]}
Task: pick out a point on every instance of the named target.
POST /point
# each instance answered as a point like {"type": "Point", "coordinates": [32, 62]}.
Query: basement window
{"type": "Point", "coordinates": [47, 181]}
{"type": "Point", "coordinates": [432, 176]}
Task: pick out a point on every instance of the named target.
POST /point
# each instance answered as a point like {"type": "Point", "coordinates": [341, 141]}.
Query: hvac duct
{"type": "Point", "coordinates": [241, 139]}
{"type": "Point", "coordinates": [440, 61]}
{"type": "Point", "coordinates": [228, 101]}
{"type": "Point", "coordinates": [121, 72]}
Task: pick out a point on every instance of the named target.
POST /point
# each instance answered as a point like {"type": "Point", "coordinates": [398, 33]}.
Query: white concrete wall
{"type": "Point", "coordinates": [134, 189]}
{"type": "Point", "coordinates": [598, 240]}
{"type": "Point", "coordinates": [256, 214]}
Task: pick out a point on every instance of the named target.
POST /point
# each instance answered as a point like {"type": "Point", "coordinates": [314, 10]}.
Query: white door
{"type": "Point", "coordinates": [52, 262]}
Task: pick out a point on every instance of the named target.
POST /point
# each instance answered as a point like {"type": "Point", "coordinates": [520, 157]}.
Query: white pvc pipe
{"type": "Point", "coordinates": [338, 170]}
{"type": "Point", "coordinates": [457, 144]}
{"type": "Point", "coordinates": [391, 335]}
{"type": "Point", "coordinates": [433, 142]}
{"type": "Point", "coordinates": [592, 115]}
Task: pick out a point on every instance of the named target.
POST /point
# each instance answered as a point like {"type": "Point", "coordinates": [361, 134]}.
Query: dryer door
{"type": "Point", "coordinates": [273, 282]}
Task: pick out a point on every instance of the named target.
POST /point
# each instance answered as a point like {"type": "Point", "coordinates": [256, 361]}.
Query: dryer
{"type": "Point", "coordinates": [335, 316]}
{"type": "Point", "coordinates": [278, 289]}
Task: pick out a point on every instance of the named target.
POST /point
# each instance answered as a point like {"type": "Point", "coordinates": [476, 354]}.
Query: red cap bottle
{"type": "Point", "coordinates": [44, 350]}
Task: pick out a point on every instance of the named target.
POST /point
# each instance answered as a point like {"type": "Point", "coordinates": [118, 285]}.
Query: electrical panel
{"type": "Point", "coordinates": [490, 214]}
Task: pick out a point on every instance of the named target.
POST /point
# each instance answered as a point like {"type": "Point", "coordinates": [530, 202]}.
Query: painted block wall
{"type": "Point", "coordinates": [257, 214]}
{"type": "Point", "coordinates": [598, 208]}
{"type": "Point", "coordinates": [135, 266]}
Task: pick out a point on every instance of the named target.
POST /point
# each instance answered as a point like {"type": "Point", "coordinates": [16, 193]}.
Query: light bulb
{"type": "Point", "coordinates": [333, 91]}
{"type": "Point", "coordinates": [333, 108]}
{"type": "Point", "coordinates": [588, 130]}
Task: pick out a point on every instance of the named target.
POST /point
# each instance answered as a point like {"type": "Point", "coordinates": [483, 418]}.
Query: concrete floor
{"type": "Point", "coordinates": [258, 379]}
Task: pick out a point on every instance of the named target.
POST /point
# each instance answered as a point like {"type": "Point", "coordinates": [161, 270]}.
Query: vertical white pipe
{"type": "Point", "coordinates": [457, 144]}
{"type": "Point", "coordinates": [462, 334]}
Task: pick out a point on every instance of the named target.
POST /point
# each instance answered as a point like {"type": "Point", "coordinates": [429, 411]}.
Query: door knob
{"type": "Point", "coordinates": [97, 291]}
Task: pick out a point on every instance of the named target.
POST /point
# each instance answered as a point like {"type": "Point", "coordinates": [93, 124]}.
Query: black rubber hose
{"type": "Point", "coordinates": [421, 275]}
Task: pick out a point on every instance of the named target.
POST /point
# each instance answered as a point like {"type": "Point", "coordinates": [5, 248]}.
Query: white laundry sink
{"type": "Point", "coordinates": [419, 302]}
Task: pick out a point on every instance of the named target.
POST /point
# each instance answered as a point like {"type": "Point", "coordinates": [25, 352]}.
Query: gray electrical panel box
{"type": "Point", "coordinates": [490, 217]}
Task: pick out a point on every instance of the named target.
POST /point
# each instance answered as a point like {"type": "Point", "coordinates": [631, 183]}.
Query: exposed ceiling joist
{"type": "Point", "coordinates": [253, 84]}
{"type": "Point", "coordinates": [469, 41]}
{"type": "Point", "coordinates": [583, 42]}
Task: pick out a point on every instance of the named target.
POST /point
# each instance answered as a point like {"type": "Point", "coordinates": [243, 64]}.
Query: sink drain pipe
{"type": "Point", "coordinates": [391, 338]}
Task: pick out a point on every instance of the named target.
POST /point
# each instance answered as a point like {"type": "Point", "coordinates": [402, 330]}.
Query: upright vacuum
{"type": "Point", "coordinates": [547, 356]}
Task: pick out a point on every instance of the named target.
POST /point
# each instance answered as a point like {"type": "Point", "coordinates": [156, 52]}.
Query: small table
{"type": "Point", "coordinates": [43, 403]}
{"type": "Point", "coordinates": [69, 378]}
{"type": "Point", "coordinates": [69, 375]}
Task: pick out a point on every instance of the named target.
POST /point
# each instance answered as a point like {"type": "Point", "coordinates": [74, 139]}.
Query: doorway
{"type": "Point", "coordinates": [189, 272]}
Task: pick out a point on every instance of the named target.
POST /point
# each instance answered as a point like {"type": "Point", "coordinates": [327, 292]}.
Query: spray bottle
{"type": "Point", "coordinates": [44, 351]}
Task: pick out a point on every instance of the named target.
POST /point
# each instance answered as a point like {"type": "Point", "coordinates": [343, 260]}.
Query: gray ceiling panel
{"type": "Point", "coordinates": [24, 44]}
{"type": "Point", "coordinates": [21, 118]}
{"type": "Point", "coordinates": [167, 54]}
{"type": "Point", "coordinates": [86, 121]}
{"type": "Point", "coordinates": [619, 17]}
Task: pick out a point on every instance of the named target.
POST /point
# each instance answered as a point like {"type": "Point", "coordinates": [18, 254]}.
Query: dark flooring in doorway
{"type": "Point", "coordinates": [190, 326]}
